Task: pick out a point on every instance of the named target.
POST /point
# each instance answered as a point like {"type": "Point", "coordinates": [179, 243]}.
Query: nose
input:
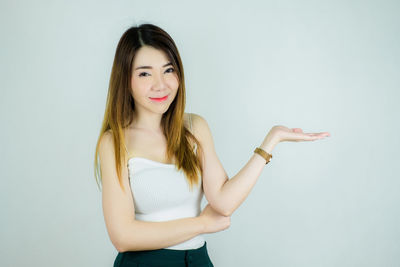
{"type": "Point", "coordinates": [159, 83]}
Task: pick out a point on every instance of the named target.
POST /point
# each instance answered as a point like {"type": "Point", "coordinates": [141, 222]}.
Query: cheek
{"type": "Point", "coordinates": [173, 82]}
{"type": "Point", "coordinates": [137, 87]}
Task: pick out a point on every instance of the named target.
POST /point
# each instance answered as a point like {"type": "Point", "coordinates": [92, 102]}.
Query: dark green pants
{"type": "Point", "coordinates": [164, 258]}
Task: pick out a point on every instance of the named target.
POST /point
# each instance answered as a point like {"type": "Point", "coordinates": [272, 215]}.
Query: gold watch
{"type": "Point", "coordinates": [263, 154]}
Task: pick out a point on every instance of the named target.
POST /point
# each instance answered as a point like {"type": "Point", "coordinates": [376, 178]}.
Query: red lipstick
{"type": "Point", "coordinates": [161, 99]}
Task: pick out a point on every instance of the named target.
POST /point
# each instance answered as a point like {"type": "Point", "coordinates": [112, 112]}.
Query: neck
{"type": "Point", "coordinates": [150, 122]}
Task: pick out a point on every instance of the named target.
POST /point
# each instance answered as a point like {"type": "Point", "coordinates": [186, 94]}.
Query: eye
{"type": "Point", "coordinates": [142, 74]}
{"type": "Point", "coordinates": [172, 70]}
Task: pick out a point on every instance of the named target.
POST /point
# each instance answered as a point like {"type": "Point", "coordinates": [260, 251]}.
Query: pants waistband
{"type": "Point", "coordinates": [172, 254]}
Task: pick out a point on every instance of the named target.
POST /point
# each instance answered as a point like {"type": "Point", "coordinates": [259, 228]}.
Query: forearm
{"type": "Point", "coordinates": [141, 235]}
{"type": "Point", "coordinates": [236, 189]}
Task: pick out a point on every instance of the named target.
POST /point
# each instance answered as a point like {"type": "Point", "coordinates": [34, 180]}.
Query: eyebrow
{"type": "Point", "coordinates": [149, 67]}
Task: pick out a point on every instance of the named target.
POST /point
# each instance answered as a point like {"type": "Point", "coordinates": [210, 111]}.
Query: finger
{"type": "Point", "coordinates": [312, 137]}
{"type": "Point", "coordinates": [297, 130]}
{"type": "Point", "coordinates": [323, 134]}
{"type": "Point", "coordinates": [302, 137]}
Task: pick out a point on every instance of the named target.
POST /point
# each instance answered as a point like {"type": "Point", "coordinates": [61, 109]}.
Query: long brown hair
{"type": "Point", "coordinates": [120, 106]}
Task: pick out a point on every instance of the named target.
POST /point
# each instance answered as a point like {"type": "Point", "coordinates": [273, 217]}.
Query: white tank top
{"type": "Point", "coordinates": [161, 193]}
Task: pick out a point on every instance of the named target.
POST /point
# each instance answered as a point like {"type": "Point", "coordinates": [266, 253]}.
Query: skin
{"type": "Point", "coordinates": [282, 133]}
{"type": "Point", "coordinates": [145, 138]}
{"type": "Point", "coordinates": [156, 81]}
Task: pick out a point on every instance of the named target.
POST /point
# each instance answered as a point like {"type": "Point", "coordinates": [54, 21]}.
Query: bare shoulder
{"type": "Point", "coordinates": [107, 155]}
{"type": "Point", "coordinates": [106, 143]}
{"type": "Point", "coordinates": [118, 205]}
{"type": "Point", "coordinates": [197, 120]}
{"type": "Point", "coordinates": [200, 128]}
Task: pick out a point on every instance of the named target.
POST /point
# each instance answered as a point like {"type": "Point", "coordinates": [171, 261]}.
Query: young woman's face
{"type": "Point", "coordinates": [154, 81]}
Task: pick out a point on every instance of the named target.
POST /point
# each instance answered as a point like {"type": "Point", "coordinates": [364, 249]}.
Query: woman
{"type": "Point", "coordinates": [156, 161]}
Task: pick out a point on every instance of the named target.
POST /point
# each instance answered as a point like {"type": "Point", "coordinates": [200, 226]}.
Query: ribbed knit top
{"type": "Point", "coordinates": [161, 193]}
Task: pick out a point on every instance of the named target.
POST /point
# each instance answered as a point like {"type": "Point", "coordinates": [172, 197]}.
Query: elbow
{"type": "Point", "coordinates": [223, 211]}
{"type": "Point", "coordinates": [119, 245]}
{"type": "Point", "coordinates": [227, 213]}
{"type": "Point", "coordinates": [120, 249]}
{"type": "Point", "coordinates": [220, 208]}
{"type": "Point", "coordinates": [127, 239]}
{"type": "Point", "coordinates": [123, 246]}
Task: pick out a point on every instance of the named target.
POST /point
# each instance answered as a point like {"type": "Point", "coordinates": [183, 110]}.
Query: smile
{"type": "Point", "coordinates": [159, 99]}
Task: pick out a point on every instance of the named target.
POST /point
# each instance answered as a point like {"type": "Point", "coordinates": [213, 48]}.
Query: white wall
{"type": "Point", "coordinates": [318, 65]}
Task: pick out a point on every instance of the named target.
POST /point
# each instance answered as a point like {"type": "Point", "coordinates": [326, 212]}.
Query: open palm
{"type": "Point", "coordinates": [283, 133]}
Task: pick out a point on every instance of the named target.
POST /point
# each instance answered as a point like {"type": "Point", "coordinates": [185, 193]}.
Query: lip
{"type": "Point", "coordinates": [161, 99]}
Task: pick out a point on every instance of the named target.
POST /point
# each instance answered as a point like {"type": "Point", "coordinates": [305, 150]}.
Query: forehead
{"type": "Point", "coordinates": [149, 56]}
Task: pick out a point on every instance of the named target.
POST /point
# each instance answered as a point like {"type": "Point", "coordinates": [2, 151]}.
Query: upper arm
{"type": "Point", "coordinates": [214, 174]}
{"type": "Point", "coordinates": [118, 207]}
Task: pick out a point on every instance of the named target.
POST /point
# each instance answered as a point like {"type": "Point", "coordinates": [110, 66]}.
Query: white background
{"type": "Point", "coordinates": [249, 65]}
